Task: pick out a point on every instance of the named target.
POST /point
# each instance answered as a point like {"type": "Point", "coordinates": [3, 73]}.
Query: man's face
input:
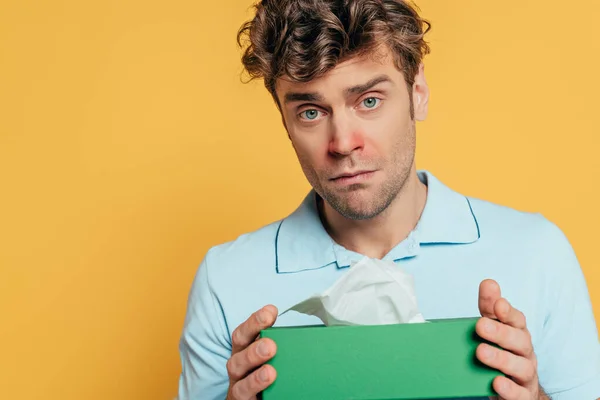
{"type": "Point", "coordinates": [353, 133]}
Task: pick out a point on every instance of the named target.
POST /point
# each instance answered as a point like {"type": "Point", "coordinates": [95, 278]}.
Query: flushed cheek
{"type": "Point", "coordinates": [311, 154]}
{"type": "Point", "coordinates": [312, 164]}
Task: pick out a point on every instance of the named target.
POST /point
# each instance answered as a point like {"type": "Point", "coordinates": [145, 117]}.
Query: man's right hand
{"type": "Point", "coordinates": [247, 374]}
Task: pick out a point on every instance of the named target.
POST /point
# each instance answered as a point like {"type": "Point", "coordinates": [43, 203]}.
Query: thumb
{"type": "Point", "coordinates": [489, 294]}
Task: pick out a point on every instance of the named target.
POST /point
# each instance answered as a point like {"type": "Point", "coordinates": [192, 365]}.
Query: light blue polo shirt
{"type": "Point", "coordinates": [458, 242]}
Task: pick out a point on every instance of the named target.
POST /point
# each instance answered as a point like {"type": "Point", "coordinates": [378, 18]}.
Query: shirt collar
{"type": "Point", "coordinates": [302, 243]}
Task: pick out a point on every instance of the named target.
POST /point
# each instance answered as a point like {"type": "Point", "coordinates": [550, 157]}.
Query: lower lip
{"type": "Point", "coordinates": [349, 180]}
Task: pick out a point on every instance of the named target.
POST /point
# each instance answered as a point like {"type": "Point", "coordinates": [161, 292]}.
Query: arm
{"type": "Point", "coordinates": [204, 346]}
{"type": "Point", "coordinates": [569, 352]}
{"type": "Point", "coordinates": [566, 362]}
{"type": "Point", "coordinates": [213, 366]}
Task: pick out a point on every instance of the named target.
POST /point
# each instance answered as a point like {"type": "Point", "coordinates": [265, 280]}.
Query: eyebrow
{"type": "Point", "coordinates": [366, 86]}
{"type": "Point", "coordinates": [294, 96]}
{"type": "Point", "coordinates": [313, 96]}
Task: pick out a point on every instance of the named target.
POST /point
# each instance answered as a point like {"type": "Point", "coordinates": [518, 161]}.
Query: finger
{"type": "Point", "coordinates": [509, 338]}
{"type": "Point", "coordinates": [241, 363]}
{"type": "Point", "coordinates": [521, 369]}
{"type": "Point", "coordinates": [247, 332]}
{"type": "Point", "coordinates": [509, 390]}
{"type": "Point", "coordinates": [509, 315]}
{"type": "Point", "coordinates": [489, 293]}
{"type": "Point", "coordinates": [254, 383]}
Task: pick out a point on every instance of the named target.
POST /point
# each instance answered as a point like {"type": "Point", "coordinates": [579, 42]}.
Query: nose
{"type": "Point", "coordinates": [346, 136]}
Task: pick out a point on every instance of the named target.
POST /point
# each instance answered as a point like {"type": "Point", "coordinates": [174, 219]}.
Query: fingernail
{"type": "Point", "coordinates": [263, 375]}
{"type": "Point", "coordinates": [503, 386]}
{"type": "Point", "coordinates": [489, 327]}
{"type": "Point", "coordinates": [262, 349]}
{"type": "Point", "coordinates": [488, 353]}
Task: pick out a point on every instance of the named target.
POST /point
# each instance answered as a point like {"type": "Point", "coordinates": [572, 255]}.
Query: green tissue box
{"type": "Point", "coordinates": [433, 360]}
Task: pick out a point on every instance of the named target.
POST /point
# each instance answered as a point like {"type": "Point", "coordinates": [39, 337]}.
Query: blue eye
{"type": "Point", "coordinates": [370, 102]}
{"type": "Point", "coordinates": [310, 114]}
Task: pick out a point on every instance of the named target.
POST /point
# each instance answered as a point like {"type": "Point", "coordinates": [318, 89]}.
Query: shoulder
{"type": "Point", "coordinates": [227, 269]}
{"type": "Point", "coordinates": [528, 244]}
{"type": "Point", "coordinates": [531, 228]}
{"type": "Point", "coordinates": [240, 275]}
{"type": "Point", "coordinates": [254, 250]}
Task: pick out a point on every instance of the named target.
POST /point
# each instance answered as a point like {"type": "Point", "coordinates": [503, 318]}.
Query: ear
{"type": "Point", "coordinates": [420, 93]}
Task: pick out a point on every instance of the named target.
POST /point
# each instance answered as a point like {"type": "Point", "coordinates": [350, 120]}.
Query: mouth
{"type": "Point", "coordinates": [348, 178]}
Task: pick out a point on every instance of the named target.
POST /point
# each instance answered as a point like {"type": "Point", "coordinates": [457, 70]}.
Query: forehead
{"type": "Point", "coordinates": [353, 71]}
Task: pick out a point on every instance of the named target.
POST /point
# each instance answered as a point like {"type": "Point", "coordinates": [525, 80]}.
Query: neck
{"type": "Point", "coordinates": [375, 237]}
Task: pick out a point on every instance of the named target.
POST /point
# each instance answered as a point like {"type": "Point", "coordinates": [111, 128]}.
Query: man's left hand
{"type": "Point", "coordinates": [506, 326]}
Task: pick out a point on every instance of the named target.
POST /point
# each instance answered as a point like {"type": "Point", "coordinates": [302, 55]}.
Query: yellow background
{"type": "Point", "coordinates": [128, 146]}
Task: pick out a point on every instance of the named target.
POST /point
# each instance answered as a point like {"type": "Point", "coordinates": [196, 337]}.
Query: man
{"type": "Point", "coordinates": [348, 79]}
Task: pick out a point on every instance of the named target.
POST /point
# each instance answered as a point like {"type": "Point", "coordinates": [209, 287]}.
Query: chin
{"type": "Point", "coordinates": [359, 214]}
{"type": "Point", "coordinates": [356, 206]}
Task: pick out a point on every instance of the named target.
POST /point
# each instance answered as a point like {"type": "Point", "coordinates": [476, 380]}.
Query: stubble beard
{"type": "Point", "coordinates": [399, 169]}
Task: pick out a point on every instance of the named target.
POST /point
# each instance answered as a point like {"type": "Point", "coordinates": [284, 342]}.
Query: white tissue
{"type": "Point", "coordinates": [372, 292]}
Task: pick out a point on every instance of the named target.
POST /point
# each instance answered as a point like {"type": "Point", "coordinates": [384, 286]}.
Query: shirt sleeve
{"type": "Point", "coordinates": [204, 345]}
{"type": "Point", "coordinates": [569, 351]}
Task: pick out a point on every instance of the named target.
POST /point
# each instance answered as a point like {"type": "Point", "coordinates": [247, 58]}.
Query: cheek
{"type": "Point", "coordinates": [397, 128]}
{"type": "Point", "coordinates": [310, 150]}
{"type": "Point", "coordinates": [381, 137]}
{"type": "Point", "coordinates": [388, 142]}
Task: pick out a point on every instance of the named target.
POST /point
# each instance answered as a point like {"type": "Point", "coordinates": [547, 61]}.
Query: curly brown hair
{"type": "Point", "coordinates": [303, 39]}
